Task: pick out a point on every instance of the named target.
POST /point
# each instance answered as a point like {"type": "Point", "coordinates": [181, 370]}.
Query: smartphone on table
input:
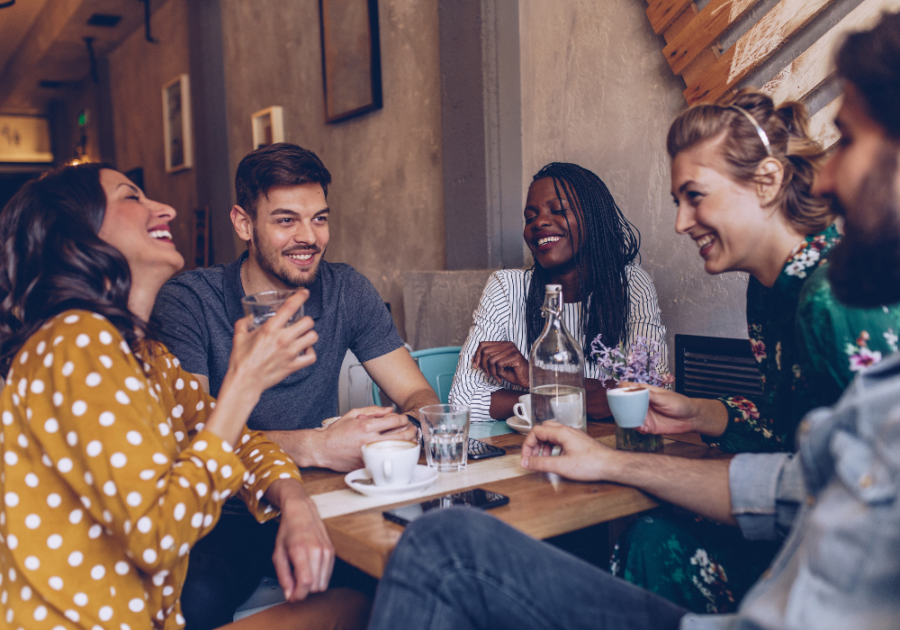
{"type": "Point", "coordinates": [477, 498]}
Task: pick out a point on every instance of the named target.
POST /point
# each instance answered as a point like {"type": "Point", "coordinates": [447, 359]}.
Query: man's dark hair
{"type": "Point", "coordinates": [608, 243]}
{"type": "Point", "coordinates": [870, 60]}
{"type": "Point", "coordinates": [279, 164]}
{"type": "Point", "coordinates": [864, 268]}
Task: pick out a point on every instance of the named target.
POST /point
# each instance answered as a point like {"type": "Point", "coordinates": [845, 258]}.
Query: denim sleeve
{"type": "Point", "coordinates": [767, 490]}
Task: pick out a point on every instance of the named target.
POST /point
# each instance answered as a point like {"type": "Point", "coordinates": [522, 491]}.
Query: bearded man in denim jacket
{"type": "Point", "coordinates": [835, 499]}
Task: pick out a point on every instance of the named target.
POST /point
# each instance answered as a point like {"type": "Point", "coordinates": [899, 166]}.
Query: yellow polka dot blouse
{"type": "Point", "coordinates": [108, 479]}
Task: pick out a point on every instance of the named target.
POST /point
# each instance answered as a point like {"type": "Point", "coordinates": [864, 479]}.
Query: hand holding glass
{"type": "Point", "coordinates": [262, 306]}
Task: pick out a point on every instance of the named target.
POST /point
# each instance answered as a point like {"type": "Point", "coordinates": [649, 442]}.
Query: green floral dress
{"type": "Point", "coordinates": [809, 346]}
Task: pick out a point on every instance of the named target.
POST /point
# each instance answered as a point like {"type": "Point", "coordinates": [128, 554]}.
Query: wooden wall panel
{"type": "Point", "coordinates": [692, 49]}
{"type": "Point", "coordinates": [704, 30]}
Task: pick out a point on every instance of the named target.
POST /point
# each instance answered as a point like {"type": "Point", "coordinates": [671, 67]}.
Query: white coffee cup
{"type": "Point", "coordinates": [391, 462]}
{"type": "Point", "coordinates": [522, 409]}
{"type": "Point", "coordinates": [629, 405]}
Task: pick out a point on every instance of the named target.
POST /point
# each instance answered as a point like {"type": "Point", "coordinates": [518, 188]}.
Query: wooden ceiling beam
{"type": "Point", "coordinates": [46, 29]}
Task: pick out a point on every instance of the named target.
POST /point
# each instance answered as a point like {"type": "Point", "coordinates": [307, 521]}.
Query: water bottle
{"type": "Point", "coordinates": [556, 369]}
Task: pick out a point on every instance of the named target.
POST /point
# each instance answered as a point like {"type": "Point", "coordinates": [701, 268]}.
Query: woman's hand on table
{"type": "Point", "coordinates": [502, 361]}
{"type": "Point", "coordinates": [581, 457]}
{"type": "Point", "coordinates": [304, 555]}
{"type": "Point", "coordinates": [671, 412]}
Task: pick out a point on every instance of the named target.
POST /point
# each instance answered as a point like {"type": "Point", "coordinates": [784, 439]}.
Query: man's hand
{"type": "Point", "coordinates": [502, 361]}
{"type": "Point", "coordinates": [671, 412]}
{"type": "Point", "coordinates": [304, 555]}
{"type": "Point", "coordinates": [340, 445]}
{"type": "Point", "coordinates": [581, 457]}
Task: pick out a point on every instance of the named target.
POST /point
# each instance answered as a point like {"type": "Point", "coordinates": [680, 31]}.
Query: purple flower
{"type": "Point", "coordinates": [637, 364]}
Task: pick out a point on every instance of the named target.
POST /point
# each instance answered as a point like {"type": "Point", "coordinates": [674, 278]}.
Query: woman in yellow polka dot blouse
{"type": "Point", "coordinates": [115, 462]}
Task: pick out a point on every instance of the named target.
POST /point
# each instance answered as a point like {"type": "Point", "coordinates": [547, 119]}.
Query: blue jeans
{"type": "Point", "coordinates": [460, 568]}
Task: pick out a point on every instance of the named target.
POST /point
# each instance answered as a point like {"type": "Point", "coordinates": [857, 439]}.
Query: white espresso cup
{"type": "Point", "coordinates": [391, 462]}
{"type": "Point", "coordinates": [629, 405]}
{"type": "Point", "coordinates": [522, 409]}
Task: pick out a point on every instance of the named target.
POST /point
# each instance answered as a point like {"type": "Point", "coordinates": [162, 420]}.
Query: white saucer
{"type": "Point", "coordinates": [517, 424]}
{"type": "Point", "coordinates": [423, 476]}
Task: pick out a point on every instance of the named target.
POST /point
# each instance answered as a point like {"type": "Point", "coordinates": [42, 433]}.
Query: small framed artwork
{"type": "Point", "coordinates": [201, 237]}
{"type": "Point", "coordinates": [176, 95]}
{"type": "Point", "coordinates": [351, 58]}
{"type": "Point", "coordinates": [268, 127]}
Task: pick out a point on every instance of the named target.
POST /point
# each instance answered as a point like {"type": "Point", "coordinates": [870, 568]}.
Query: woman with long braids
{"type": "Point", "coordinates": [580, 239]}
{"type": "Point", "coordinates": [115, 461]}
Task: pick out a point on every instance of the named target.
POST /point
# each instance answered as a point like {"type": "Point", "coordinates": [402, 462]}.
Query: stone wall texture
{"type": "Point", "coordinates": [138, 70]}
{"type": "Point", "coordinates": [597, 91]}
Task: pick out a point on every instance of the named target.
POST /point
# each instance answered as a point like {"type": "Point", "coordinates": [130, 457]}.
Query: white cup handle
{"type": "Point", "coordinates": [519, 410]}
{"type": "Point", "coordinates": [388, 470]}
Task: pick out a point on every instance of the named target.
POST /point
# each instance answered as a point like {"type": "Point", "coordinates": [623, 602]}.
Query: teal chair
{"type": "Point", "coordinates": [438, 365]}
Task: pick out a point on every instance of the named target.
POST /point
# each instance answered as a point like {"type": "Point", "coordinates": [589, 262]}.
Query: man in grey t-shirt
{"type": "Point", "coordinates": [282, 214]}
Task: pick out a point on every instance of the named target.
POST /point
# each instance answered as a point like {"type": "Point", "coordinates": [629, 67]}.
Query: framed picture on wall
{"type": "Point", "coordinates": [351, 58]}
{"type": "Point", "coordinates": [268, 127]}
{"type": "Point", "coordinates": [176, 96]}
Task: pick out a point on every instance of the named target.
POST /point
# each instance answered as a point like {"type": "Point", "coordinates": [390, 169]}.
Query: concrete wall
{"type": "Point", "coordinates": [597, 91]}
{"type": "Point", "coordinates": [137, 72]}
{"type": "Point", "coordinates": [387, 195]}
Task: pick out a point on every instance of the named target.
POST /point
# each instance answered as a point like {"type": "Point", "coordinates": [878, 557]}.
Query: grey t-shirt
{"type": "Point", "coordinates": [196, 312]}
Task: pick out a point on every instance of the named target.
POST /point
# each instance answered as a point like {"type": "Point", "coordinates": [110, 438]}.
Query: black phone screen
{"type": "Point", "coordinates": [476, 498]}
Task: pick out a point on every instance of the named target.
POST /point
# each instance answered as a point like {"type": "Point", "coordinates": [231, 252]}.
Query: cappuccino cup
{"type": "Point", "coordinates": [391, 462]}
{"type": "Point", "coordinates": [629, 405]}
{"type": "Point", "coordinates": [522, 409]}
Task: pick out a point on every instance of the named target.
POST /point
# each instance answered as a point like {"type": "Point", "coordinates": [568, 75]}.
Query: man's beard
{"type": "Point", "coordinates": [272, 262]}
{"type": "Point", "coordinates": [864, 268]}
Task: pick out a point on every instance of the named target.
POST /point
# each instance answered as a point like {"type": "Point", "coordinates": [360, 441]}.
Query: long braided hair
{"type": "Point", "coordinates": [608, 242]}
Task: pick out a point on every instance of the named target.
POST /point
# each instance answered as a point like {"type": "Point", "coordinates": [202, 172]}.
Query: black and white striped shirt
{"type": "Point", "coordinates": [501, 317]}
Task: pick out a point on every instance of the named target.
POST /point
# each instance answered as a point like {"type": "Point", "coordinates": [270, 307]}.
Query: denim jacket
{"type": "Point", "coordinates": [836, 500]}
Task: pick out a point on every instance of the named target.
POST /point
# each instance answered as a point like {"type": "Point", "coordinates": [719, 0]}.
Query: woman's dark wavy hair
{"type": "Point", "coordinates": [53, 259]}
{"type": "Point", "coordinates": [608, 243]}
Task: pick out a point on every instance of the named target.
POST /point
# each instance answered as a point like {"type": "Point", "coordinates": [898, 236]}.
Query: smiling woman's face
{"type": "Point", "coordinates": [138, 227]}
{"type": "Point", "coordinates": [552, 240]}
{"type": "Point", "coordinates": [722, 216]}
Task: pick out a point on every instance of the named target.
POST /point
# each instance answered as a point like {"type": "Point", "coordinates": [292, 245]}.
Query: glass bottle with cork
{"type": "Point", "coordinates": [556, 369]}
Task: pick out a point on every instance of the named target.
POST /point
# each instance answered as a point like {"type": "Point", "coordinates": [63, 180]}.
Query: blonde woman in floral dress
{"type": "Point", "coordinates": [742, 179]}
{"type": "Point", "coordinates": [115, 462]}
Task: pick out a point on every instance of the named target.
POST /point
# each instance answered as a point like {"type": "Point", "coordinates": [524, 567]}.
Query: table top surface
{"type": "Point", "coordinates": [539, 505]}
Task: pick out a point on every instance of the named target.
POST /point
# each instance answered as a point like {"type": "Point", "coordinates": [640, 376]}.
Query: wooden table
{"type": "Point", "coordinates": [538, 506]}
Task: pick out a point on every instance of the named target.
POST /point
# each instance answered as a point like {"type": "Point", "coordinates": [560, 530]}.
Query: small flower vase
{"type": "Point", "coordinates": [634, 440]}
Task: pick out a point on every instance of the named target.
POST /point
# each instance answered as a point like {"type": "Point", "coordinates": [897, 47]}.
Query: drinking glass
{"type": "Point", "coordinates": [263, 305]}
{"type": "Point", "coordinates": [445, 430]}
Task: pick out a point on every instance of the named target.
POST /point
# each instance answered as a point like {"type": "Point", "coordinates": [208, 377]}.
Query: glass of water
{"type": "Point", "coordinates": [445, 431]}
{"type": "Point", "coordinates": [263, 305]}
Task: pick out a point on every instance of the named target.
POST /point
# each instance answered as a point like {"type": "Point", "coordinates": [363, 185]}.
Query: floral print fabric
{"type": "Point", "coordinates": [703, 566]}
{"type": "Point", "coordinates": [808, 346]}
